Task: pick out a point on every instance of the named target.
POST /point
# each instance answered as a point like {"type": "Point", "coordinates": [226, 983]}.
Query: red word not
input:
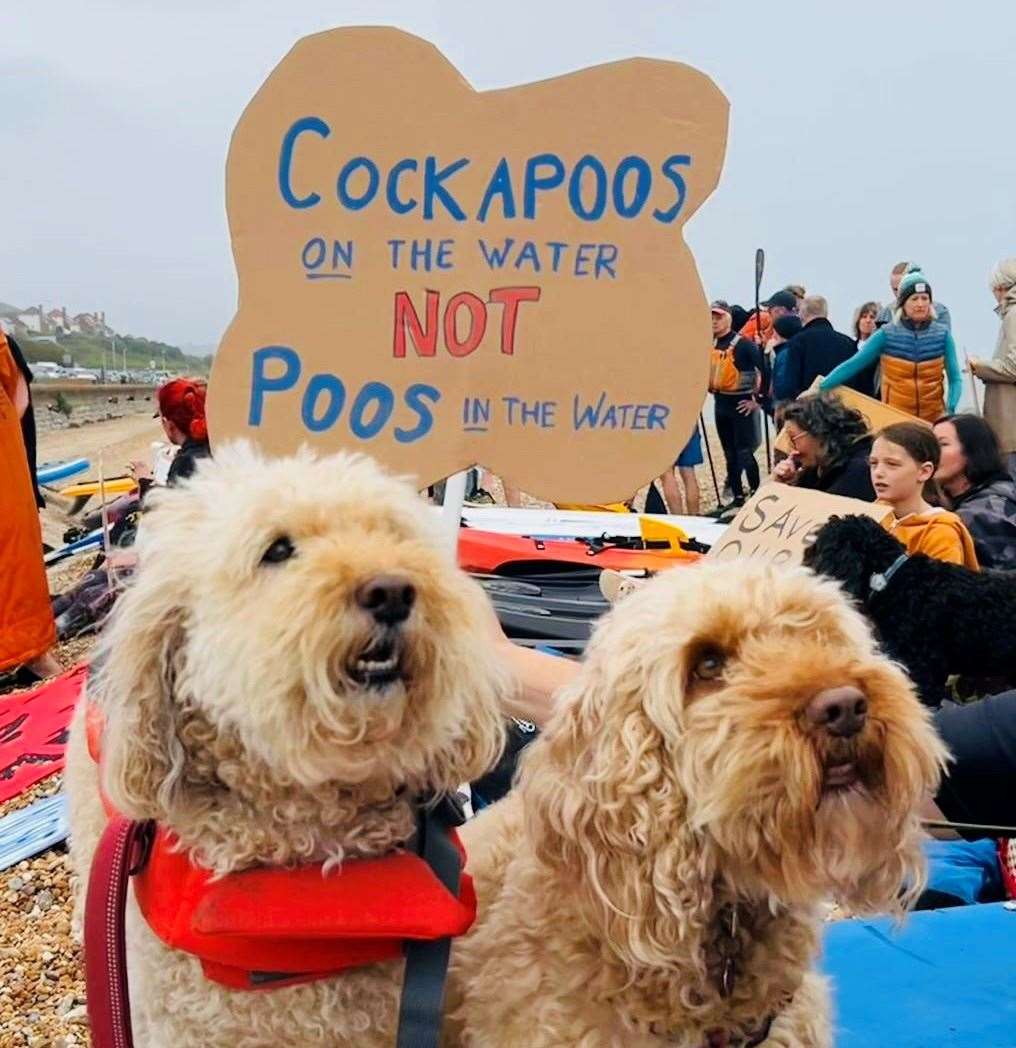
{"type": "Point", "coordinates": [464, 323]}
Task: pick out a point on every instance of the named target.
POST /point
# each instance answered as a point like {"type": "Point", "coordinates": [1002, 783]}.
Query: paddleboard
{"type": "Point", "coordinates": [113, 486]}
{"type": "Point", "coordinates": [34, 829]}
{"type": "Point", "coordinates": [93, 540]}
{"type": "Point", "coordinates": [53, 471]}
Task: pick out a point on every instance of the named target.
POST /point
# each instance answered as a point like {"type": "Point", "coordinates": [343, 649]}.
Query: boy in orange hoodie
{"type": "Point", "coordinates": [903, 461]}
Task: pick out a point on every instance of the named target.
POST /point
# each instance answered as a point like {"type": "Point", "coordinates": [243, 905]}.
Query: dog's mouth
{"type": "Point", "coordinates": [846, 764]}
{"type": "Point", "coordinates": [380, 664]}
{"type": "Point", "coordinates": [842, 776]}
{"type": "Point", "coordinates": [857, 767]}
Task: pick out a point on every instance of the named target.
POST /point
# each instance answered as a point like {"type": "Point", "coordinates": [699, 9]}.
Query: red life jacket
{"type": "Point", "coordinates": [273, 926]}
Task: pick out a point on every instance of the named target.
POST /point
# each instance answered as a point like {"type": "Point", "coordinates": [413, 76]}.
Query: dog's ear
{"type": "Point", "coordinates": [839, 553]}
{"type": "Point", "coordinates": [606, 812]}
{"type": "Point", "coordinates": [134, 676]}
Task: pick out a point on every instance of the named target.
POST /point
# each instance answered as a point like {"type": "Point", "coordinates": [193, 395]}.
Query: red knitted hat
{"type": "Point", "coordinates": [182, 401]}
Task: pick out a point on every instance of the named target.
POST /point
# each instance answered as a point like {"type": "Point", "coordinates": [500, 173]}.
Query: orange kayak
{"type": "Point", "coordinates": [490, 551]}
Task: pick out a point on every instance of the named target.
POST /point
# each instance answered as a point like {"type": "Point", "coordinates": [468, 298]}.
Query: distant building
{"type": "Point", "coordinates": [32, 320]}
{"type": "Point", "coordinates": [39, 322]}
{"type": "Point", "coordinates": [91, 324]}
{"type": "Point", "coordinates": [57, 321]}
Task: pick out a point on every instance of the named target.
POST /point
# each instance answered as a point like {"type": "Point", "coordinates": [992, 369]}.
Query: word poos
{"type": "Point", "coordinates": [426, 185]}
{"type": "Point", "coordinates": [324, 399]}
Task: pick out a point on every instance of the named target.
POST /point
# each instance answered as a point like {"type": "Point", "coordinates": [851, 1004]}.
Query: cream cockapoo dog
{"type": "Point", "coordinates": [296, 658]}
{"type": "Point", "coordinates": [733, 752]}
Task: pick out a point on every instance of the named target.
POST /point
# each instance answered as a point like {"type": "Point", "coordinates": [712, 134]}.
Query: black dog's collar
{"type": "Point", "coordinates": [880, 580]}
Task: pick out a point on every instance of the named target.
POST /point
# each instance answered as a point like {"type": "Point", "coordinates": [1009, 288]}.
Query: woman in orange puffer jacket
{"type": "Point", "coordinates": [917, 354]}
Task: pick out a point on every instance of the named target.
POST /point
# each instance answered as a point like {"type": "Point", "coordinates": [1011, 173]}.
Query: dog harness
{"type": "Point", "coordinates": [879, 582]}
{"type": "Point", "coordinates": [270, 927]}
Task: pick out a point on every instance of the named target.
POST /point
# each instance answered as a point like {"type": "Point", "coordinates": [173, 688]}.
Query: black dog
{"type": "Point", "coordinates": [936, 619]}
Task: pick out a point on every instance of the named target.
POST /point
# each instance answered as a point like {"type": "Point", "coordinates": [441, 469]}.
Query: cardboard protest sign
{"type": "Point", "coordinates": [441, 277]}
{"type": "Point", "coordinates": [779, 522]}
{"type": "Point", "coordinates": [877, 414]}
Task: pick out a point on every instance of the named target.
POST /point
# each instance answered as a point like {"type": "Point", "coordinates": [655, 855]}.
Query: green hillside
{"type": "Point", "coordinates": [91, 351]}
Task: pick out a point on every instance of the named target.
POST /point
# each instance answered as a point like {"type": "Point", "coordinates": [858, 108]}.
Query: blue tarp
{"type": "Point", "coordinates": [947, 978]}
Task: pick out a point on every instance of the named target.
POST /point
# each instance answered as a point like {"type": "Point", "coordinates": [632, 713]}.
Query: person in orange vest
{"type": "Point", "coordinates": [783, 303]}
{"type": "Point", "coordinates": [735, 368]}
{"type": "Point", "coordinates": [27, 631]}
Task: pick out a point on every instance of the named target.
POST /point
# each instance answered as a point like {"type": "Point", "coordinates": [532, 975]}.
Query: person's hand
{"type": "Point", "coordinates": [784, 472]}
{"type": "Point", "coordinates": [974, 365]}
{"type": "Point", "coordinates": [122, 559]}
{"type": "Point", "coordinates": [141, 470]}
{"type": "Point", "coordinates": [747, 407]}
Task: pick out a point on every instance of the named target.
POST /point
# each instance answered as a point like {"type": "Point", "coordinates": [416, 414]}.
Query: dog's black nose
{"type": "Point", "coordinates": [840, 711]}
{"type": "Point", "coordinates": [389, 598]}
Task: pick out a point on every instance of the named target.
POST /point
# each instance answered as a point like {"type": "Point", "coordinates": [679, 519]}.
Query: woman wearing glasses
{"type": "Point", "coordinates": [831, 445]}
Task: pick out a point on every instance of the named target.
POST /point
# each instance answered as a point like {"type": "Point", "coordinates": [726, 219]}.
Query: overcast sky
{"type": "Point", "coordinates": [862, 133]}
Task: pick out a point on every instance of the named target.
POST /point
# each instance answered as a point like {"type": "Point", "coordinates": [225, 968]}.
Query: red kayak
{"type": "Point", "coordinates": [491, 552]}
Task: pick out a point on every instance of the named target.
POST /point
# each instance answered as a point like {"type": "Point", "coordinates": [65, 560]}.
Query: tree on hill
{"type": "Point", "coordinates": [94, 351]}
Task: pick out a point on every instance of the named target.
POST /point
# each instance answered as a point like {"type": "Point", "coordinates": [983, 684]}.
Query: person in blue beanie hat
{"type": "Point", "coordinates": [917, 355]}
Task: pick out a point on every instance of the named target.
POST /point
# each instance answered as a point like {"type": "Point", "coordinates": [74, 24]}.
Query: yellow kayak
{"type": "Point", "coordinates": [113, 486]}
{"type": "Point", "coordinates": [583, 507]}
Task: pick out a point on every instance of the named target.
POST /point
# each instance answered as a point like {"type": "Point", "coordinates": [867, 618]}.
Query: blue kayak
{"type": "Point", "coordinates": [93, 540]}
{"type": "Point", "coordinates": [53, 471]}
{"type": "Point", "coordinates": [946, 979]}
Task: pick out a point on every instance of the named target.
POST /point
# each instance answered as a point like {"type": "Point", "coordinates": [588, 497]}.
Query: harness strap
{"type": "Point", "coordinates": [879, 582]}
{"type": "Point", "coordinates": [422, 1006]}
{"type": "Point", "coordinates": [120, 852]}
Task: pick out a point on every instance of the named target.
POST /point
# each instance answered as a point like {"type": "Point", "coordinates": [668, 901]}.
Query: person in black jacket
{"type": "Point", "coordinates": [815, 352]}
{"type": "Point", "coordinates": [182, 413]}
{"type": "Point", "coordinates": [831, 446]}
{"type": "Point", "coordinates": [28, 418]}
{"type": "Point", "coordinates": [972, 473]}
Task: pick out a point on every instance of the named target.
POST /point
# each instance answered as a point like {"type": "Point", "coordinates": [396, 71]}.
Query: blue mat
{"type": "Point", "coordinates": [31, 830]}
{"type": "Point", "coordinates": [948, 978]}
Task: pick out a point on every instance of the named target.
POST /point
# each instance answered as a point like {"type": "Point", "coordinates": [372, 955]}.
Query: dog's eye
{"type": "Point", "coordinates": [281, 549]}
{"type": "Point", "coordinates": [709, 665]}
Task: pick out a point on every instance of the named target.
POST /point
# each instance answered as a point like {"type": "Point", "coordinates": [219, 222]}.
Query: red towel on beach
{"type": "Point", "coordinates": [33, 731]}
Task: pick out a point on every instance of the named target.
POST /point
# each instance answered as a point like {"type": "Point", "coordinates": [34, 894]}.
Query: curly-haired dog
{"type": "Point", "coordinates": [297, 658]}
{"type": "Point", "coordinates": [937, 619]}
{"type": "Point", "coordinates": [733, 751]}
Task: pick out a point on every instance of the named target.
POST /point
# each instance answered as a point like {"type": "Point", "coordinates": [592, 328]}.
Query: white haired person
{"type": "Point", "coordinates": [917, 355]}
{"type": "Point", "coordinates": [999, 374]}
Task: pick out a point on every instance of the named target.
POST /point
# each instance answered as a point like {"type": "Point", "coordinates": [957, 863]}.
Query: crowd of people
{"type": "Point", "coordinates": [903, 354]}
